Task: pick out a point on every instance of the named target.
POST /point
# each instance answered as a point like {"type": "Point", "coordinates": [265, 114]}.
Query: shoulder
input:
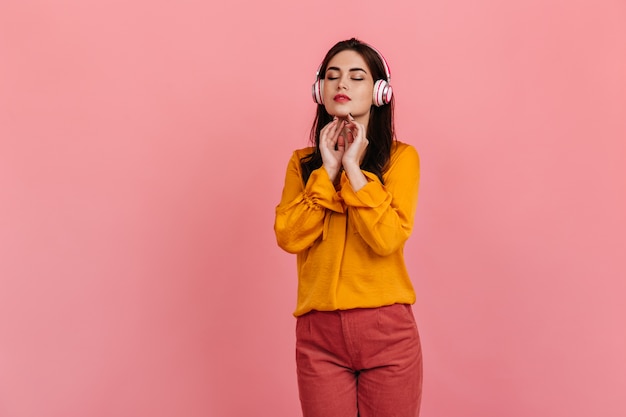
{"type": "Point", "coordinates": [301, 153]}
{"type": "Point", "coordinates": [404, 163]}
{"type": "Point", "coordinates": [298, 154]}
{"type": "Point", "coordinates": [403, 151]}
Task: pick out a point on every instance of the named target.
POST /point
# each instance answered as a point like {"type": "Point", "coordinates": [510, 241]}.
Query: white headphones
{"type": "Point", "coordinates": [382, 88]}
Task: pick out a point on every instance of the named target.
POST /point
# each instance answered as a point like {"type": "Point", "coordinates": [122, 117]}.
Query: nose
{"type": "Point", "coordinates": [342, 84]}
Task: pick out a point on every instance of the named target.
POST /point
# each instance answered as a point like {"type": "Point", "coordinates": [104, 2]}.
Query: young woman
{"type": "Point", "coordinates": [346, 210]}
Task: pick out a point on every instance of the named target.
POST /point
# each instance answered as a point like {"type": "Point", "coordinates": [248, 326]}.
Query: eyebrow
{"type": "Point", "coordinates": [350, 70]}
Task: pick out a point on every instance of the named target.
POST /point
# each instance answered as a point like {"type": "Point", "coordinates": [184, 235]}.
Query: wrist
{"type": "Point", "coordinates": [332, 173]}
{"type": "Point", "coordinates": [356, 177]}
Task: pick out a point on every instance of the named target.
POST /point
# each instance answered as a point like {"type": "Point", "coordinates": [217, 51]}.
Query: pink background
{"type": "Point", "coordinates": [142, 151]}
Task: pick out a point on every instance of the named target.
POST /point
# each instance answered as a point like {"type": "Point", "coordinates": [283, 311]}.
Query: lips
{"type": "Point", "coordinates": [341, 98]}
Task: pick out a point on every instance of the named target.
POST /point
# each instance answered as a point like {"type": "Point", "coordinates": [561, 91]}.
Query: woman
{"type": "Point", "coordinates": [347, 210]}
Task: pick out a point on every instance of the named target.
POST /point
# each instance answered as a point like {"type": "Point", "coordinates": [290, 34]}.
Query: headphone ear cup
{"type": "Point", "coordinates": [382, 93]}
{"type": "Point", "coordinates": [318, 87]}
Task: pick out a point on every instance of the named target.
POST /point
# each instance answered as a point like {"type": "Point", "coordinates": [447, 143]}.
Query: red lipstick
{"type": "Point", "coordinates": [341, 98]}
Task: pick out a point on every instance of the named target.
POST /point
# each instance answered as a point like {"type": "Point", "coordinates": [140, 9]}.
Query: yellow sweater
{"type": "Point", "coordinates": [349, 244]}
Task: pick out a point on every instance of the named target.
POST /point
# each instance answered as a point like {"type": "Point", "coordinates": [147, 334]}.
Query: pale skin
{"type": "Point", "coordinates": [348, 95]}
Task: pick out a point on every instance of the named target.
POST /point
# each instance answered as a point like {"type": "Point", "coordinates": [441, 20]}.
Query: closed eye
{"type": "Point", "coordinates": [352, 78]}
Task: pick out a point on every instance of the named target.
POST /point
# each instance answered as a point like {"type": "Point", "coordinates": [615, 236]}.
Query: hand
{"type": "Point", "coordinates": [355, 144]}
{"type": "Point", "coordinates": [332, 147]}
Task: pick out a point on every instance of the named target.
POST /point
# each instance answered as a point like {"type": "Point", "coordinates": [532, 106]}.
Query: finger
{"type": "Point", "coordinates": [328, 127]}
{"type": "Point", "coordinates": [349, 135]}
{"type": "Point", "coordinates": [355, 130]}
{"type": "Point", "coordinates": [355, 127]}
{"type": "Point", "coordinates": [352, 122]}
{"type": "Point", "coordinates": [336, 130]}
{"type": "Point", "coordinates": [346, 143]}
{"type": "Point", "coordinates": [341, 143]}
{"type": "Point", "coordinates": [327, 134]}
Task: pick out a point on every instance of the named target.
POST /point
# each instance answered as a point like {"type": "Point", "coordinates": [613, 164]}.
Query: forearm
{"type": "Point", "coordinates": [298, 228]}
{"type": "Point", "coordinates": [383, 214]}
{"type": "Point", "coordinates": [300, 215]}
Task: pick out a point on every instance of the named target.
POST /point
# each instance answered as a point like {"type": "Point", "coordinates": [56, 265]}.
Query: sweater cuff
{"type": "Point", "coordinates": [321, 191]}
{"type": "Point", "coordinates": [372, 194]}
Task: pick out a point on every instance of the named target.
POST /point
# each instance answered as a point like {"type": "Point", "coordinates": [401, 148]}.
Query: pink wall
{"type": "Point", "coordinates": [142, 151]}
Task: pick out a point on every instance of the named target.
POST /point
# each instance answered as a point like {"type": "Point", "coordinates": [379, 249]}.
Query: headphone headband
{"type": "Point", "coordinates": [384, 61]}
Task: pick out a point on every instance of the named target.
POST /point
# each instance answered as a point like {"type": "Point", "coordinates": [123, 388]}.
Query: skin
{"type": "Point", "coordinates": [342, 142]}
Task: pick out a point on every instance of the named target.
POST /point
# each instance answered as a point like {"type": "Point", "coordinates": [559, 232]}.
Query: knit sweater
{"type": "Point", "coordinates": [349, 244]}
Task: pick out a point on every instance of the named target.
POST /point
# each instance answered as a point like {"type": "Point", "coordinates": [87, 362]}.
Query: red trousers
{"type": "Point", "coordinates": [364, 362]}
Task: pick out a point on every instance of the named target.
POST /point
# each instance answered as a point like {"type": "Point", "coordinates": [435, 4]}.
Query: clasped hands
{"type": "Point", "coordinates": [343, 144]}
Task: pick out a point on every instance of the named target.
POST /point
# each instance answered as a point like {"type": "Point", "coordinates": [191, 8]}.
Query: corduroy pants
{"type": "Point", "coordinates": [364, 362]}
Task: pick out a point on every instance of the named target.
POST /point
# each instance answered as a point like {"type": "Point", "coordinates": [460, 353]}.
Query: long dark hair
{"type": "Point", "coordinates": [380, 129]}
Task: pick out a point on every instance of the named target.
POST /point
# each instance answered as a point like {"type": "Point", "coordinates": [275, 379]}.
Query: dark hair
{"type": "Point", "coordinates": [380, 129]}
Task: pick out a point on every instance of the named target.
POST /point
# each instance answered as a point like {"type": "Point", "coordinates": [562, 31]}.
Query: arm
{"type": "Point", "coordinates": [300, 215]}
{"type": "Point", "coordinates": [383, 214]}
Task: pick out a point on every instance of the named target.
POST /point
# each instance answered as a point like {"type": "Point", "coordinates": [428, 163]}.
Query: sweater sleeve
{"type": "Point", "coordinates": [302, 210]}
{"type": "Point", "coordinates": [383, 214]}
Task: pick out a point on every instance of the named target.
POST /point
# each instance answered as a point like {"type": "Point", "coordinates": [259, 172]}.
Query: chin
{"type": "Point", "coordinates": [338, 112]}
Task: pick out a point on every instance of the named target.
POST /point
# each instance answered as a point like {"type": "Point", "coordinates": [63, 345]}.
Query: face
{"type": "Point", "coordinates": [348, 86]}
